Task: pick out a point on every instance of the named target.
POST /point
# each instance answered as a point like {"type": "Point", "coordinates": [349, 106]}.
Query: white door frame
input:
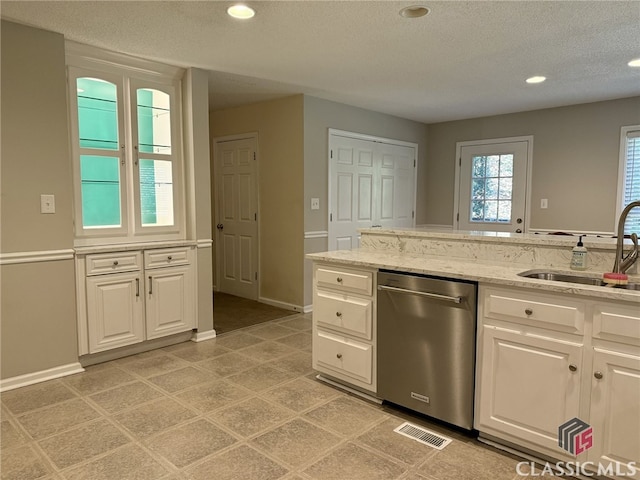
{"type": "Point", "coordinates": [458, 159]}
{"type": "Point", "coordinates": [217, 214]}
{"type": "Point", "coordinates": [371, 138]}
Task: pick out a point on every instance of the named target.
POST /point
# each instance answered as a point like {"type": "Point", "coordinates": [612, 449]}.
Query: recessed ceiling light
{"type": "Point", "coordinates": [241, 11]}
{"type": "Point", "coordinates": [537, 79]}
{"type": "Point", "coordinates": [634, 63]}
{"type": "Point", "coordinates": [414, 11]}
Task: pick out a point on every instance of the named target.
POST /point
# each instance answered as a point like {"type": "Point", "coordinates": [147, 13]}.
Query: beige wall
{"type": "Point", "coordinates": [279, 125]}
{"type": "Point", "coordinates": [38, 299]}
{"type": "Point", "coordinates": [575, 162]}
{"type": "Point", "coordinates": [319, 116]}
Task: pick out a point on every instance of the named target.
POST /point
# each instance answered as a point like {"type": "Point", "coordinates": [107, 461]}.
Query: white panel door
{"type": "Point", "coordinates": [237, 225]}
{"type": "Point", "coordinates": [371, 184]}
{"type": "Point", "coordinates": [492, 186]}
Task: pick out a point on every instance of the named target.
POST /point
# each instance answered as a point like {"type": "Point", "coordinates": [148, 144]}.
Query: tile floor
{"type": "Point", "coordinates": [244, 405]}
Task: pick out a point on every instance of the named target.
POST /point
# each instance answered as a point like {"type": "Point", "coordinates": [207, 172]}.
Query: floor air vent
{"type": "Point", "coordinates": [423, 436]}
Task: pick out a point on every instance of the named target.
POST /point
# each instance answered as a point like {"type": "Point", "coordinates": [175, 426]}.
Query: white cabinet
{"type": "Point", "coordinates": [344, 326]}
{"type": "Point", "coordinates": [544, 359]}
{"type": "Point", "coordinates": [133, 296]}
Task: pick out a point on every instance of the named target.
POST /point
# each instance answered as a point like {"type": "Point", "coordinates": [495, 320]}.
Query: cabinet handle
{"type": "Point", "coordinates": [137, 287]}
{"type": "Point", "coordinates": [339, 314]}
{"type": "Point", "coordinates": [150, 285]}
{"type": "Point", "coordinates": [598, 375]}
{"type": "Point", "coordinates": [169, 258]}
{"type": "Point", "coordinates": [573, 368]}
{"type": "Point", "coordinates": [339, 355]}
{"type": "Point", "coordinates": [528, 311]}
{"type": "Point", "coordinates": [339, 279]}
{"type": "Point", "coordinates": [115, 263]}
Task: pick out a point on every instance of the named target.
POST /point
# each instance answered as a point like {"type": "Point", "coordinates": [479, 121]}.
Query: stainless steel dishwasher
{"type": "Point", "coordinates": [426, 345]}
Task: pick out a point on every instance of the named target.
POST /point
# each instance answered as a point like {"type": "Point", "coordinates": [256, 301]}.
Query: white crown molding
{"type": "Point", "coordinates": [36, 256]}
{"type": "Point", "coordinates": [316, 234]}
{"type": "Point", "coordinates": [41, 376]}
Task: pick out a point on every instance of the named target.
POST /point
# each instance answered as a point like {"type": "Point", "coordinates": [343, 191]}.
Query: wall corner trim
{"type": "Point", "coordinates": [41, 376]}
{"type": "Point", "coordinates": [202, 336]}
{"type": "Point", "coordinates": [36, 256]}
{"type": "Point", "coordinates": [204, 243]}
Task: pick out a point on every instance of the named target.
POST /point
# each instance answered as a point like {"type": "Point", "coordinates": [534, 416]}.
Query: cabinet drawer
{"type": "Point", "coordinates": [116, 262]}
{"type": "Point", "coordinates": [617, 322]}
{"type": "Point", "coordinates": [544, 311]}
{"type": "Point", "coordinates": [166, 257]}
{"type": "Point", "coordinates": [355, 281]}
{"type": "Point", "coordinates": [345, 313]}
{"type": "Point", "coordinates": [344, 356]}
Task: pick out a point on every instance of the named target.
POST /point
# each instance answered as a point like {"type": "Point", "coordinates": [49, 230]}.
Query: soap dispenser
{"type": "Point", "coordinates": [579, 256]}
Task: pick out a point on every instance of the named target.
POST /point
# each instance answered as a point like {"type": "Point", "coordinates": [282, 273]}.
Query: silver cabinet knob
{"type": "Point", "coordinates": [339, 355]}
{"type": "Point", "coordinates": [339, 314]}
{"type": "Point", "coordinates": [528, 311]}
{"type": "Point", "coordinates": [339, 279]}
{"type": "Point", "coordinates": [115, 263]}
{"type": "Point", "coordinates": [169, 258]}
{"type": "Point", "coordinates": [573, 368]}
{"type": "Point", "coordinates": [598, 375]}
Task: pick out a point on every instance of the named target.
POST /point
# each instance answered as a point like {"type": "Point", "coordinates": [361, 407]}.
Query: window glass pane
{"type": "Point", "coordinates": [506, 165]}
{"type": "Point", "coordinates": [491, 188]}
{"type": "Point", "coordinates": [477, 167]}
{"type": "Point", "coordinates": [477, 189]}
{"type": "Point", "coordinates": [154, 122]}
{"type": "Point", "coordinates": [477, 211]}
{"type": "Point", "coordinates": [100, 185]}
{"type": "Point", "coordinates": [506, 188]}
{"type": "Point", "coordinates": [504, 211]}
{"type": "Point", "coordinates": [97, 114]}
{"type": "Point", "coordinates": [156, 192]}
{"type": "Point", "coordinates": [493, 166]}
{"type": "Point", "coordinates": [632, 183]}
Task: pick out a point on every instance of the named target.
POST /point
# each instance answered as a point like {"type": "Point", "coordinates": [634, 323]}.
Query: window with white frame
{"type": "Point", "coordinates": [125, 136]}
{"type": "Point", "coordinates": [629, 176]}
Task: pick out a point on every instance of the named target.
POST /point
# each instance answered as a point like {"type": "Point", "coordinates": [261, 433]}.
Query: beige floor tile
{"type": "Point", "coordinates": [197, 352]}
{"type": "Point", "coordinates": [297, 322]}
{"type": "Point", "coordinates": [154, 365]}
{"type": "Point", "coordinates": [57, 418]}
{"type": "Point", "coordinates": [242, 462]}
{"type": "Point", "coordinates": [354, 462]}
{"type": "Point", "coordinates": [237, 340]}
{"type": "Point", "coordinates": [229, 364]}
{"type": "Point", "coordinates": [95, 380]}
{"type": "Point", "coordinates": [298, 363]}
{"type": "Point", "coordinates": [191, 442]}
{"type": "Point", "coordinates": [125, 396]}
{"type": "Point", "coordinates": [296, 442]}
{"type": "Point", "coordinates": [22, 463]}
{"type": "Point", "coordinates": [345, 415]}
{"type": "Point", "coordinates": [213, 395]}
{"type": "Point", "coordinates": [270, 331]}
{"type": "Point", "coordinates": [24, 399]}
{"type": "Point", "coordinates": [154, 417]}
{"type": "Point", "coordinates": [260, 378]}
{"type": "Point", "coordinates": [267, 351]}
{"type": "Point", "coordinates": [129, 462]}
{"type": "Point", "coordinates": [300, 340]}
{"type": "Point", "coordinates": [181, 379]}
{"type": "Point", "coordinates": [383, 439]}
{"type": "Point", "coordinates": [82, 443]}
{"type": "Point", "coordinates": [11, 436]}
{"type": "Point", "coordinates": [300, 394]}
{"type": "Point", "coordinates": [251, 416]}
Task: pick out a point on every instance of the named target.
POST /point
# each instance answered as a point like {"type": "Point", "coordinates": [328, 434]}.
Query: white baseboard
{"type": "Point", "coordinates": [41, 376]}
{"type": "Point", "coordinates": [286, 306]}
{"type": "Point", "coordinates": [202, 336]}
{"type": "Point", "coordinates": [307, 309]}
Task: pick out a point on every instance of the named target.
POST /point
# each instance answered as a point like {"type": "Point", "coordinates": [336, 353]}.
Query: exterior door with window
{"type": "Point", "coordinates": [237, 219]}
{"type": "Point", "coordinates": [492, 186]}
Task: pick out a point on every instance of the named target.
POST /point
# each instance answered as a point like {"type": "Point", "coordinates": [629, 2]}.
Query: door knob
{"type": "Point", "coordinates": [518, 230]}
{"type": "Point", "coordinates": [219, 226]}
{"type": "Point", "coordinates": [598, 375]}
{"type": "Point", "coordinates": [573, 368]}
{"type": "Point", "coordinates": [518, 220]}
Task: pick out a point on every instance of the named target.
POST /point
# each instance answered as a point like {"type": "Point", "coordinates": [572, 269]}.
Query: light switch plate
{"type": "Point", "coordinates": [544, 203]}
{"type": "Point", "coordinates": [47, 204]}
{"type": "Point", "coordinates": [315, 204]}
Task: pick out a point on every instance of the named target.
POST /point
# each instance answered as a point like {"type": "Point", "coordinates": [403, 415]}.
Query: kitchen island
{"type": "Point", "coordinates": [546, 351]}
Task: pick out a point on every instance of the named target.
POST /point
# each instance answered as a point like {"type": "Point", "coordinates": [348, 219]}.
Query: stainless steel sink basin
{"type": "Point", "coordinates": [574, 278]}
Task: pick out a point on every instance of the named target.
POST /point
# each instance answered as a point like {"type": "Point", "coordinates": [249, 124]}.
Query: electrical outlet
{"type": "Point", "coordinates": [544, 203]}
{"type": "Point", "coordinates": [315, 204]}
{"type": "Point", "coordinates": [47, 204]}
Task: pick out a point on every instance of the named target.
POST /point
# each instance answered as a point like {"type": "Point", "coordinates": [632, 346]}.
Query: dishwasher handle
{"type": "Point", "coordinates": [435, 296]}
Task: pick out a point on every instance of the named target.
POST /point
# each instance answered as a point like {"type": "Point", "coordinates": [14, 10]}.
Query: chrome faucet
{"type": "Point", "coordinates": [622, 263]}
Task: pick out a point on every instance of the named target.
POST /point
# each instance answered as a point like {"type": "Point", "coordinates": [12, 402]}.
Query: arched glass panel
{"type": "Point", "coordinates": [97, 113]}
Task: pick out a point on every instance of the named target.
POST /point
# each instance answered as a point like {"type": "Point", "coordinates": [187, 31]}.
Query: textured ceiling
{"type": "Point", "coordinates": [463, 60]}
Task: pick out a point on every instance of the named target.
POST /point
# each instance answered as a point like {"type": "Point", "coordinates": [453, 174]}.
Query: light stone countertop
{"type": "Point", "coordinates": [491, 272]}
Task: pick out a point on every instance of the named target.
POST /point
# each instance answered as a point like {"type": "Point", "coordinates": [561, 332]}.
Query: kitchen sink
{"type": "Point", "coordinates": [575, 278]}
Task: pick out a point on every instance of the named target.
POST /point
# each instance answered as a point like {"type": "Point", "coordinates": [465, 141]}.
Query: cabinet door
{"type": "Point", "coordinates": [528, 386]}
{"type": "Point", "coordinates": [114, 311]}
{"type": "Point", "coordinates": [170, 301]}
{"type": "Point", "coordinates": [615, 409]}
